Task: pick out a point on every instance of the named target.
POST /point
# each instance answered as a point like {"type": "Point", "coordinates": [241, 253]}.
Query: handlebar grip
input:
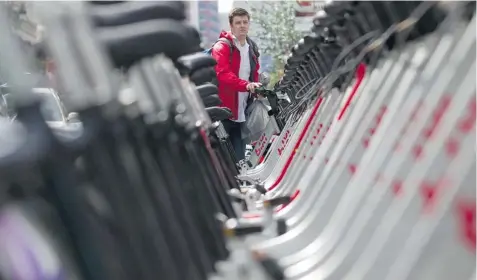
{"type": "Point", "coordinates": [270, 266]}
{"type": "Point", "coordinates": [277, 201]}
{"type": "Point", "coordinates": [242, 230]}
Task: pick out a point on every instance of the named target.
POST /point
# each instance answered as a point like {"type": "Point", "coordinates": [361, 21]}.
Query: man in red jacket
{"type": "Point", "coordinates": [237, 74]}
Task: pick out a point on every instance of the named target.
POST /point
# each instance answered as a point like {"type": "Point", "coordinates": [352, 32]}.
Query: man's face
{"type": "Point", "coordinates": [239, 26]}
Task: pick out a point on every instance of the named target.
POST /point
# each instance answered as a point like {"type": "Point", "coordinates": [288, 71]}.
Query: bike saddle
{"type": "Point", "coordinates": [292, 62]}
{"type": "Point", "coordinates": [290, 71]}
{"type": "Point", "coordinates": [211, 101]}
{"type": "Point", "coordinates": [219, 113]}
{"type": "Point", "coordinates": [311, 41]}
{"type": "Point", "coordinates": [196, 61]}
{"type": "Point", "coordinates": [130, 43]}
{"type": "Point", "coordinates": [131, 12]}
{"type": "Point", "coordinates": [206, 90]}
{"type": "Point", "coordinates": [287, 78]}
{"type": "Point", "coordinates": [289, 67]}
{"type": "Point", "coordinates": [292, 59]}
{"type": "Point", "coordinates": [303, 46]}
{"type": "Point", "coordinates": [204, 75]}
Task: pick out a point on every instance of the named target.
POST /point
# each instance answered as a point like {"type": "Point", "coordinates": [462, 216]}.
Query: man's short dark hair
{"type": "Point", "coordinates": [238, 12]}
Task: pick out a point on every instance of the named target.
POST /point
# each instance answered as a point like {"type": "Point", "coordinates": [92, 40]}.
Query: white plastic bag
{"type": "Point", "coordinates": [256, 119]}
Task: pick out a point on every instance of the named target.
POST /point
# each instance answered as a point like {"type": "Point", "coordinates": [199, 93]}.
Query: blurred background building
{"type": "Point", "coordinates": [305, 11]}
{"type": "Point", "coordinates": [204, 15]}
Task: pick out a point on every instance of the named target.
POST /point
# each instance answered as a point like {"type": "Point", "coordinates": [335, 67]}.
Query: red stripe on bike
{"type": "Point", "coordinates": [360, 71]}
{"type": "Point", "coordinates": [297, 145]}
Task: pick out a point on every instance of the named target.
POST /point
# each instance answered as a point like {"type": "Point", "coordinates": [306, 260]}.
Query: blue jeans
{"type": "Point", "coordinates": [234, 131]}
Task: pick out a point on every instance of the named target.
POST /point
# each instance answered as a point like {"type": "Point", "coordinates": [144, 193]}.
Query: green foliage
{"type": "Point", "coordinates": [274, 78]}
{"type": "Point", "coordinates": [277, 33]}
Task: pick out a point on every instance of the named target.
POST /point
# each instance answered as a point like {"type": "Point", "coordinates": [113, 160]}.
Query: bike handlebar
{"type": "Point", "coordinates": [262, 90]}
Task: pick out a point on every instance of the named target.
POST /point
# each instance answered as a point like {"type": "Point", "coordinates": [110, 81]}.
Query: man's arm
{"type": "Point", "coordinates": [225, 76]}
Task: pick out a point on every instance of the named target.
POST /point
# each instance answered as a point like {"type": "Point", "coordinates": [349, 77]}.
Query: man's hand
{"type": "Point", "coordinates": [252, 86]}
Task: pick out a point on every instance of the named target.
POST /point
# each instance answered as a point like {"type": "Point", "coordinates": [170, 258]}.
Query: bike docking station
{"type": "Point", "coordinates": [365, 171]}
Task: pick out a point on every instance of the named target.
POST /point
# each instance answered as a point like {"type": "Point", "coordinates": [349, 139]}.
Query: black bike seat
{"type": "Point", "coordinates": [295, 59]}
{"type": "Point", "coordinates": [206, 90]}
{"type": "Point", "coordinates": [197, 61]}
{"type": "Point", "coordinates": [290, 71]}
{"type": "Point", "coordinates": [288, 67]}
{"type": "Point", "coordinates": [136, 11]}
{"type": "Point", "coordinates": [211, 100]}
{"type": "Point", "coordinates": [289, 77]}
{"type": "Point", "coordinates": [297, 50]}
{"type": "Point", "coordinates": [310, 41]}
{"type": "Point", "coordinates": [133, 42]}
{"type": "Point", "coordinates": [204, 75]}
{"type": "Point", "coordinates": [219, 113]}
{"type": "Point", "coordinates": [293, 62]}
{"type": "Point", "coordinates": [303, 46]}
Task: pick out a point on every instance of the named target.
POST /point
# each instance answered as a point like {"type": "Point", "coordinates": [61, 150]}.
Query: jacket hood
{"type": "Point", "coordinates": [227, 35]}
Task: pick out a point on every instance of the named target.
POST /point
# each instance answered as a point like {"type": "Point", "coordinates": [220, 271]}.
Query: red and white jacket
{"type": "Point", "coordinates": [227, 70]}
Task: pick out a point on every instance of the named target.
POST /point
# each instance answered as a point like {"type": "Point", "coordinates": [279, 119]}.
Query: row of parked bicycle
{"type": "Point", "coordinates": [378, 172]}
{"type": "Point", "coordinates": [371, 173]}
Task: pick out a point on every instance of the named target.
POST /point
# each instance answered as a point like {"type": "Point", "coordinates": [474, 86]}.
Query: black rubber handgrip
{"type": "Point", "coordinates": [272, 268]}
{"type": "Point", "coordinates": [282, 227]}
{"type": "Point", "coordinates": [242, 230]}
{"type": "Point", "coordinates": [246, 230]}
{"type": "Point", "coordinates": [261, 189]}
{"type": "Point", "coordinates": [278, 201]}
{"type": "Point", "coordinates": [105, 2]}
